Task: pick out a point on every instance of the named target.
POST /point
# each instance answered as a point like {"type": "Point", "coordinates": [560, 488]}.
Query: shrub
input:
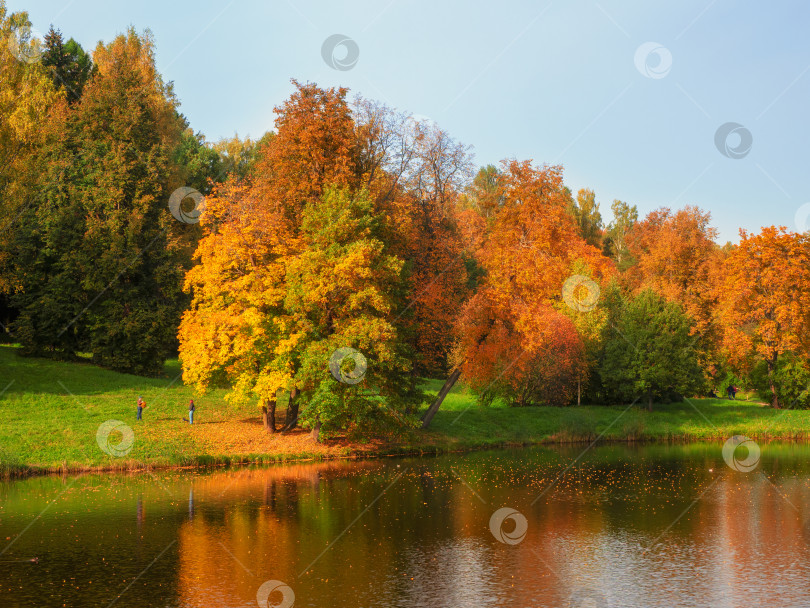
{"type": "Point", "coordinates": [791, 380]}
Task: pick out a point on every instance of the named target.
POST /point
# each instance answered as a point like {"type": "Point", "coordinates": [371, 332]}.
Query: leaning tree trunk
{"type": "Point", "coordinates": [291, 421]}
{"type": "Point", "coordinates": [434, 407]}
{"type": "Point", "coordinates": [269, 415]}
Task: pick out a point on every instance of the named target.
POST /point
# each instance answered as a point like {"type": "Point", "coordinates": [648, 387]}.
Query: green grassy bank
{"type": "Point", "coordinates": [50, 413]}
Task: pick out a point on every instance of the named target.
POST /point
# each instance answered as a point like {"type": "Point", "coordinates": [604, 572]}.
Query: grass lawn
{"type": "Point", "coordinates": [461, 420]}
{"type": "Point", "coordinates": [50, 413]}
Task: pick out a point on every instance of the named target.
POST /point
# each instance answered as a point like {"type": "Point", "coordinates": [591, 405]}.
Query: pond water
{"type": "Point", "coordinates": [612, 526]}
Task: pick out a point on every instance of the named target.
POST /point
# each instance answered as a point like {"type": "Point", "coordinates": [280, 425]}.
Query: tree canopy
{"type": "Point", "coordinates": [338, 260]}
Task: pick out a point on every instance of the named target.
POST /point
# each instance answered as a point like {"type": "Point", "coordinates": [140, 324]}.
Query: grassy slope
{"type": "Point", "coordinates": [50, 411]}
{"type": "Point", "coordinates": [692, 420]}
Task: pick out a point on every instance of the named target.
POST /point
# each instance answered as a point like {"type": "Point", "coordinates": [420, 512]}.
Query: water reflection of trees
{"type": "Point", "coordinates": [622, 520]}
{"type": "Point", "coordinates": [618, 522]}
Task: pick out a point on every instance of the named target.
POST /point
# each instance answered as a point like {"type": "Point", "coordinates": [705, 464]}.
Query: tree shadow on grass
{"type": "Point", "coordinates": [35, 375]}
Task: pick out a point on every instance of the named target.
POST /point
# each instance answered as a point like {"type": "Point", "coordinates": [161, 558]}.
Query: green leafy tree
{"type": "Point", "coordinates": [615, 243]}
{"type": "Point", "coordinates": [68, 65]}
{"type": "Point", "coordinates": [238, 156]}
{"type": "Point", "coordinates": [345, 290]}
{"type": "Point", "coordinates": [585, 210]}
{"type": "Point", "coordinates": [648, 351]}
{"type": "Point", "coordinates": [485, 195]}
{"type": "Point", "coordinates": [103, 272]}
{"type": "Point", "coordinates": [791, 377]}
{"type": "Point", "coordinates": [200, 163]}
{"type": "Point", "coordinates": [612, 302]}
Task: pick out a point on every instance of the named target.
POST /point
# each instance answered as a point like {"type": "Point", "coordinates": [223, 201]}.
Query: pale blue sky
{"type": "Point", "coordinates": [552, 81]}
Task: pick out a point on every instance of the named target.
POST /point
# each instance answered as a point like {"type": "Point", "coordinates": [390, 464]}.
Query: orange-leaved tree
{"type": "Point", "coordinates": [414, 171]}
{"type": "Point", "coordinates": [512, 338]}
{"type": "Point", "coordinates": [764, 301]}
{"type": "Point", "coordinates": [676, 255]}
{"type": "Point", "coordinates": [281, 282]}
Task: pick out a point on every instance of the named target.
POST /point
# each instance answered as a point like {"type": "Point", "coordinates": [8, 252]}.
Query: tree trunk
{"type": "Point", "coordinates": [579, 391]}
{"type": "Point", "coordinates": [291, 421]}
{"type": "Point", "coordinates": [269, 415]}
{"type": "Point", "coordinates": [771, 383]}
{"type": "Point", "coordinates": [649, 400]}
{"type": "Point", "coordinates": [440, 397]}
{"type": "Point", "coordinates": [316, 431]}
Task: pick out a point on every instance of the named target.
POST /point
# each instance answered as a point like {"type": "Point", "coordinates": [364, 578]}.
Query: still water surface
{"type": "Point", "coordinates": [620, 527]}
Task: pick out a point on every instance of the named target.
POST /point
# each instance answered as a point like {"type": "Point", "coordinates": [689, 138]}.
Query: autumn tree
{"type": "Point", "coordinates": [509, 329]}
{"type": "Point", "coordinates": [477, 207]}
{"type": "Point", "coordinates": [484, 195]}
{"type": "Point", "coordinates": [524, 359]}
{"type": "Point", "coordinates": [344, 290]}
{"type": "Point", "coordinates": [415, 172]}
{"type": "Point", "coordinates": [438, 274]}
{"type": "Point", "coordinates": [673, 252]}
{"type": "Point", "coordinates": [649, 352]}
{"type": "Point", "coordinates": [589, 319]}
{"type": "Point", "coordinates": [764, 304]}
{"type": "Point", "coordinates": [676, 255]}
{"type": "Point", "coordinates": [27, 96]}
{"type": "Point", "coordinates": [252, 229]}
{"type": "Point", "coordinates": [314, 148]}
{"type": "Point", "coordinates": [274, 286]}
{"type": "Point", "coordinates": [269, 248]}
{"type": "Point", "coordinates": [230, 336]}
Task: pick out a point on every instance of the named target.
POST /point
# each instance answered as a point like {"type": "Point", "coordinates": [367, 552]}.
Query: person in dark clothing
{"type": "Point", "coordinates": [730, 390]}
{"type": "Point", "coordinates": [191, 411]}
